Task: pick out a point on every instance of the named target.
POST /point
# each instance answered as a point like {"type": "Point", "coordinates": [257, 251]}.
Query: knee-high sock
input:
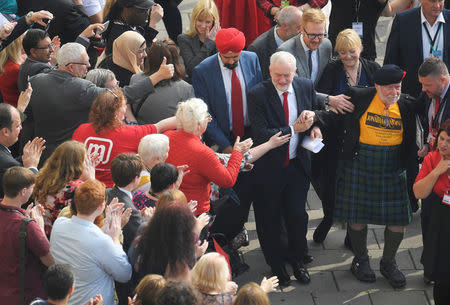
{"type": "Point", "coordinates": [359, 241]}
{"type": "Point", "coordinates": [392, 241]}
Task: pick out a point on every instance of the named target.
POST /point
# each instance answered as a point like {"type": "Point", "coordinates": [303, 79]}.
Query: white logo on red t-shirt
{"type": "Point", "coordinates": [102, 147]}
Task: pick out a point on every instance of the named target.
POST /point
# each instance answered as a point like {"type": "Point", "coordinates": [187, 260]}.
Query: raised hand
{"type": "Point", "coordinates": [32, 152]}
{"type": "Point", "coordinates": [243, 146]}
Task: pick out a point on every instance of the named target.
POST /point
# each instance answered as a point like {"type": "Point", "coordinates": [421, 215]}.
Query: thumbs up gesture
{"type": "Point", "coordinates": [165, 69]}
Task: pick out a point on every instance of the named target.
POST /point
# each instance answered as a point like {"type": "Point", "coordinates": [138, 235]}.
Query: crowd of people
{"type": "Point", "coordinates": [139, 158]}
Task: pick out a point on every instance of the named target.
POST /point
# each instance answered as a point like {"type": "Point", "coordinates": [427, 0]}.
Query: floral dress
{"type": "Point", "coordinates": [54, 204]}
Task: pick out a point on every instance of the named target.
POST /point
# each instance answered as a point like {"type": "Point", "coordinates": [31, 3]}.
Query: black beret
{"type": "Point", "coordinates": [137, 3]}
{"type": "Point", "coordinates": [388, 74]}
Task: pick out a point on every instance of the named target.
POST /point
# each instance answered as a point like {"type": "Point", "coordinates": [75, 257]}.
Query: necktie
{"type": "Point", "coordinates": [286, 116]}
{"type": "Point", "coordinates": [237, 106]}
{"type": "Point", "coordinates": [437, 101]}
{"type": "Point", "coordinates": [310, 62]}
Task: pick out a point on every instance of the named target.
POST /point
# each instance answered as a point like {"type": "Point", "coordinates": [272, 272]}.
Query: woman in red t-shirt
{"type": "Point", "coordinates": [433, 183]}
{"type": "Point", "coordinates": [107, 135]}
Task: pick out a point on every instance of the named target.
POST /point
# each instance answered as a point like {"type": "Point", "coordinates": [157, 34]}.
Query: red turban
{"type": "Point", "coordinates": [230, 40]}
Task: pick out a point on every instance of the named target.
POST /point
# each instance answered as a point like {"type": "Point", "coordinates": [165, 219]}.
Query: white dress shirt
{"type": "Point", "coordinates": [439, 43]}
{"type": "Point", "coordinates": [226, 75]}
{"type": "Point", "coordinates": [293, 115]}
{"type": "Point", "coordinates": [278, 40]}
{"type": "Point", "coordinates": [314, 59]}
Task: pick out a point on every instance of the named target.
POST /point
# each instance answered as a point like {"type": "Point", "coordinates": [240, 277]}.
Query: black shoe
{"type": "Point", "coordinates": [322, 230]}
{"type": "Point", "coordinates": [283, 277]}
{"type": "Point", "coordinates": [390, 271]}
{"type": "Point", "coordinates": [301, 273]}
{"type": "Point", "coordinates": [240, 240]}
{"type": "Point", "coordinates": [307, 259]}
{"type": "Point", "coordinates": [361, 269]}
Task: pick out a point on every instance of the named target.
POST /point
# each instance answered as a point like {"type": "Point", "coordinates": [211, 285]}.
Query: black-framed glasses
{"type": "Point", "coordinates": [314, 36]}
{"type": "Point", "coordinates": [116, 97]}
{"type": "Point", "coordinates": [50, 46]}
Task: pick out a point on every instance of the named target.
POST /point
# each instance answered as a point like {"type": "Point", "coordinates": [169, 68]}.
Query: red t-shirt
{"type": "Point", "coordinates": [8, 83]}
{"type": "Point", "coordinates": [37, 246]}
{"type": "Point", "coordinates": [429, 163]}
{"type": "Point", "coordinates": [204, 167]}
{"type": "Point", "coordinates": [110, 143]}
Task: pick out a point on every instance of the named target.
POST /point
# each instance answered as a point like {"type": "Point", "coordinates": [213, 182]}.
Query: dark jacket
{"type": "Point", "coordinates": [333, 69]}
{"type": "Point", "coordinates": [348, 130]}
{"type": "Point", "coordinates": [122, 75]}
{"type": "Point", "coordinates": [264, 46]}
{"type": "Point", "coordinates": [28, 69]}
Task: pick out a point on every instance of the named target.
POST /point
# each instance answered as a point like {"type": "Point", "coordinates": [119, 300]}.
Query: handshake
{"type": "Point", "coordinates": [304, 121]}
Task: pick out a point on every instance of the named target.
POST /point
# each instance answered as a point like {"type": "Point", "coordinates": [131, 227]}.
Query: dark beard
{"type": "Point", "coordinates": [231, 66]}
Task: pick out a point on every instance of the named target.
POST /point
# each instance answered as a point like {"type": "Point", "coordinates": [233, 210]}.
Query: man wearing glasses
{"type": "Point", "coordinates": [132, 15]}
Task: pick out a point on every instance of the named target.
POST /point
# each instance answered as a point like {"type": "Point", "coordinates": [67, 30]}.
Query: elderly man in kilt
{"type": "Point", "coordinates": [377, 156]}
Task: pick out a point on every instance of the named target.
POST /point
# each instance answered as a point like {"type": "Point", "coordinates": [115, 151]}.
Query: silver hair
{"type": "Point", "coordinates": [70, 52]}
{"type": "Point", "coordinates": [152, 147]}
{"type": "Point", "coordinates": [100, 76]}
{"type": "Point", "coordinates": [190, 113]}
{"type": "Point", "coordinates": [288, 14]}
{"type": "Point", "coordinates": [284, 57]}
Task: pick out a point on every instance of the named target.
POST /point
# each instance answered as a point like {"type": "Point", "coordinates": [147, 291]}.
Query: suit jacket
{"type": "Point", "coordinates": [30, 68]}
{"type": "Point", "coordinates": [295, 47]}
{"type": "Point", "coordinates": [7, 161]}
{"type": "Point", "coordinates": [264, 46]}
{"type": "Point", "coordinates": [208, 85]}
{"type": "Point", "coordinates": [131, 228]}
{"type": "Point", "coordinates": [267, 118]}
{"type": "Point", "coordinates": [426, 102]}
{"type": "Point", "coordinates": [406, 50]}
{"type": "Point", "coordinates": [194, 52]}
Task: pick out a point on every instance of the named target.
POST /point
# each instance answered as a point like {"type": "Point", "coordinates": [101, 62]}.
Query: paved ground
{"type": "Point", "coordinates": [332, 283]}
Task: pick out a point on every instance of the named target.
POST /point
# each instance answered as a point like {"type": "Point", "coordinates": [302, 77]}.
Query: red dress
{"type": "Point", "coordinates": [204, 167]}
{"type": "Point", "coordinates": [110, 143]}
{"type": "Point", "coordinates": [8, 83]}
{"type": "Point", "coordinates": [429, 163]}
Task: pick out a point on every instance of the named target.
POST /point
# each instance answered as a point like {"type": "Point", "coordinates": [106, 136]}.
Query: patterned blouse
{"type": "Point", "coordinates": [215, 299]}
{"type": "Point", "coordinates": [142, 200]}
{"type": "Point", "coordinates": [54, 204]}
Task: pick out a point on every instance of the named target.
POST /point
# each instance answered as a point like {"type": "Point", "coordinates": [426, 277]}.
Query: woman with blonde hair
{"type": "Point", "coordinates": [147, 290]}
{"type": "Point", "coordinates": [251, 294]}
{"type": "Point", "coordinates": [198, 43]}
{"type": "Point", "coordinates": [211, 277]}
{"type": "Point", "coordinates": [62, 173]}
{"type": "Point", "coordinates": [170, 196]}
{"type": "Point", "coordinates": [10, 60]}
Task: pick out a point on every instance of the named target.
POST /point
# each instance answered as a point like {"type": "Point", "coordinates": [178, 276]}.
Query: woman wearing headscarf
{"type": "Point", "coordinates": [127, 58]}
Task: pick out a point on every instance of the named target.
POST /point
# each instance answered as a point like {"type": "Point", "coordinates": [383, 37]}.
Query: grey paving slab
{"type": "Point", "coordinates": [416, 253]}
{"type": "Point", "coordinates": [315, 217]}
{"type": "Point", "coordinates": [347, 282]}
{"type": "Point", "coordinates": [291, 296]}
{"type": "Point", "coordinates": [313, 200]}
{"type": "Point", "coordinates": [399, 298]}
{"type": "Point", "coordinates": [347, 298]}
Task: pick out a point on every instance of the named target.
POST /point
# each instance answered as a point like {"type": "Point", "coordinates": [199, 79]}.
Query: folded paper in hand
{"type": "Point", "coordinates": [312, 145]}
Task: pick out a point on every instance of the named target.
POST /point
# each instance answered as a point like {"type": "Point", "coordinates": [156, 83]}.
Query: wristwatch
{"type": "Point", "coordinates": [28, 17]}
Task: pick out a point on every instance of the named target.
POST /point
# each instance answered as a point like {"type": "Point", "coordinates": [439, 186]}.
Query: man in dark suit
{"type": "Point", "coordinates": [416, 35]}
{"type": "Point", "coordinates": [288, 25]}
{"type": "Point", "coordinates": [10, 127]}
{"type": "Point", "coordinates": [282, 175]}
{"type": "Point", "coordinates": [125, 171]}
{"type": "Point", "coordinates": [222, 81]}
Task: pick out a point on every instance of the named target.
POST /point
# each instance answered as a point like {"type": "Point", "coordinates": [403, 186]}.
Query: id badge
{"type": "Point", "coordinates": [284, 3]}
{"type": "Point", "coordinates": [358, 27]}
{"type": "Point", "coordinates": [437, 53]}
{"type": "Point", "coordinates": [446, 199]}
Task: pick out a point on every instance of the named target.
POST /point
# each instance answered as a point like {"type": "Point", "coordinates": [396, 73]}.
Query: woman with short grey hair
{"type": "Point", "coordinates": [102, 78]}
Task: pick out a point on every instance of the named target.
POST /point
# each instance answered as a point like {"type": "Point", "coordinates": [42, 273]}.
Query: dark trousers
{"type": "Point", "coordinates": [441, 294]}
{"type": "Point", "coordinates": [172, 17]}
{"type": "Point", "coordinates": [285, 199]}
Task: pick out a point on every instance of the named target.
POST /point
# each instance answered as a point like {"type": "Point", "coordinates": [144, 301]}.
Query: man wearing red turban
{"type": "Point", "coordinates": [222, 81]}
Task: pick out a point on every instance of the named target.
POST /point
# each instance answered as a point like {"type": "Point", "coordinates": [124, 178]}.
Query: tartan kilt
{"type": "Point", "coordinates": [371, 189]}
